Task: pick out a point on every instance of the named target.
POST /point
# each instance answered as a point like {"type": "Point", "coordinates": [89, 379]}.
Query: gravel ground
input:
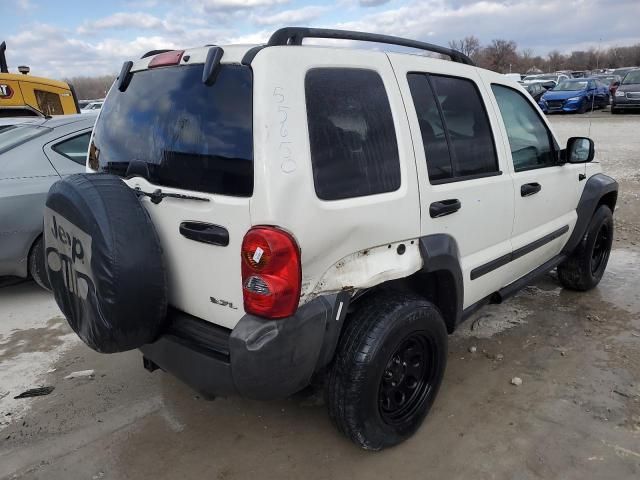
{"type": "Point", "coordinates": [575, 416]}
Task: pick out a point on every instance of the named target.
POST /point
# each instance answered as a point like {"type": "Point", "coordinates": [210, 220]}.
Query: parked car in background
{"type": "Point", "coordinates": [575, 95]}
{"type": "Point", "coordinates": [611, 79]}
{"type": "Point", "coordinates": [514, 76]}
{"type": "Point", "coordinates": [580, 74]}
{"type": "Point", "coordinates": [34, 153]}
{"type": "Point", "coordinates": [9, 122]}
{"type": "Point", "coordinates": [627, 96]}
{"type": "Point", "coordinates": [621, 72]}
{"type": "Point", "coordinates": [546, 77]}
{"type": "Point", "coordinates": [536, 90]}
{"type": "Point", "coordinates": [92, 107]}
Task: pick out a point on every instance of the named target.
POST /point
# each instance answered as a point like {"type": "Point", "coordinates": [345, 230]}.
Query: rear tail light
{"type": "Point", "coordinates": [271, 273]}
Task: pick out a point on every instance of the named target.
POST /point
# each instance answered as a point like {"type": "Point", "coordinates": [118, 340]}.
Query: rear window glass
{"type": "Point", "coordinates": [15, 135]}
{"type": "Point", "coordinates": [188, 135]}
{"type": "Point", "coordinates": [354, 151]}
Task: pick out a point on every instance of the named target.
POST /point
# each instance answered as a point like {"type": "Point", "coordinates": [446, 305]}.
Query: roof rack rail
{"type": "Point", "coordinates": [155, 52]}
{"type": "Point", "coordinates": [295, 35]}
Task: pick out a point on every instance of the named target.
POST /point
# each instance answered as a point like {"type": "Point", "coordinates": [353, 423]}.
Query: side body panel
{"type": "Point", "coordinates": [338, 233]}
{"type": "Point", "coordinates": [546, 213]}
{"type": "Point", "coordinates": [25, 178]}
{"type": "Point", "coordinates": [482, 227]}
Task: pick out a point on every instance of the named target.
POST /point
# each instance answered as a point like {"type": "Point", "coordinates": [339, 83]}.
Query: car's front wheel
{"type": "Point", "coordinates": [583, 270]}
{"type": "Point", "coordinates": [387, 371]}
{"type": "Point", "coordinates": [583, 106]}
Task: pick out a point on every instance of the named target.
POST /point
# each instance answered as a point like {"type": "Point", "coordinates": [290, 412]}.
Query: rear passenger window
{"type": "Point", "coordinates": [74, 148]}
{"type": "Point", "coordinates": [434, 137]}
{"type": "Point", "coordinates": [354, 151]}
{"type": "Point", "coordinates": [455, 129]}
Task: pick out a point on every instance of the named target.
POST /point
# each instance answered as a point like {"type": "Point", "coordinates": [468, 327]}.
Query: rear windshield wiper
{"type": "Point", "coordinates": [158, 195]}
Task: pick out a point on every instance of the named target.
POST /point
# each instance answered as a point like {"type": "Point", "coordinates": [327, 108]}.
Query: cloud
{"type": "Point", "coordinates": [24, 5]}
{"type": "Point", "coordinates": [541, 25]}
{"type": "Point", "coordinates": [372, 3]}
{"type": "Point", "coordinates": [235, 5]}
{"type": "Point", "coordinates": [291, 17]}
{"type": "Point", "coordinates": [131, 20]}
{"type": "Point", "coordinates": [99, 46]}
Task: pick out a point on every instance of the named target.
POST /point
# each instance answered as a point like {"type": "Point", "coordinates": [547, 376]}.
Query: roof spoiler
{"type": "Point", "coordinates": [3, 59]}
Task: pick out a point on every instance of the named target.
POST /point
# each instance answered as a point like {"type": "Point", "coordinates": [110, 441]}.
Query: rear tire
{"type": "Point", "coordinates": [583, 270]}
{"type": "Point", "coordinates": [37, 267]}
{"type": "Point", "coordinates": [387, 371]}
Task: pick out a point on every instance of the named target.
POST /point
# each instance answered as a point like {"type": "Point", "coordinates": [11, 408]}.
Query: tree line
{"type": "Point", "coordinates": [91, 88]}
{"type": "Point", "coordinates": [503, 56]}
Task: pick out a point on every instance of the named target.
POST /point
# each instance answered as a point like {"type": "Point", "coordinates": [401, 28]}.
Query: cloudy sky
{"type": "Point", "coordinates": [85, 37]}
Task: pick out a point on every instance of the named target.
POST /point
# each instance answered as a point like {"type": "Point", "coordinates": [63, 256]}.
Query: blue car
{"type": "Point", "coordinates": [575, 95]}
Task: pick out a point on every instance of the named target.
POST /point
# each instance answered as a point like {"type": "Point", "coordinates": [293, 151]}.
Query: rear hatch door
{"type": "Point", "coordinates": [189, 147]}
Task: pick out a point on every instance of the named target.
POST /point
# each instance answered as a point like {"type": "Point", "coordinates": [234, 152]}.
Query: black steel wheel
{"type": "Point", "coordinates": [407, 379]}
{"type": "Point", "coordinates": [584, 269]}
{"type": "Point", "coordinates": [601, 248]}
{"type": "Point", "coordinates": [387, 371]}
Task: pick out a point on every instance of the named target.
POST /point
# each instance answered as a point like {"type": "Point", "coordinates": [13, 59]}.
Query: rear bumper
{"type": "Point", "coordinates": [261, 359]}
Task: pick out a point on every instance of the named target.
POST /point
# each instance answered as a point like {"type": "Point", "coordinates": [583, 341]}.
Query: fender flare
{"type": "Point", "coordinates": [440, 254]}
{"type": "Point", "coordinates": [595, 189]}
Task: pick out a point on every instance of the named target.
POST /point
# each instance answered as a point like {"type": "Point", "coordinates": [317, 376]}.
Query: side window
{"type": "Point", "coordinates": [454, 125]}
{"type": "Point", "coordinates": [434, 137]}
{"type": "Point", "coordinates": [354, 151]}
{"type": "Point", "coordinates": [529, 138]}
{"type": "Point", "coordinates": [49, 102]}
{"type": "Point", "coordinates": [74, 148]}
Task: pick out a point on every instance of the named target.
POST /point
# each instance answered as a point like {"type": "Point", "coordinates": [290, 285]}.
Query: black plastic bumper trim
{"type": "Point", "coordinates": [259, 358]}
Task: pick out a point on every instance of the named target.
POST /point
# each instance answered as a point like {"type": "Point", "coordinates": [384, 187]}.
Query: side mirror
{"type": "Point", "coordinates": [579, 150]}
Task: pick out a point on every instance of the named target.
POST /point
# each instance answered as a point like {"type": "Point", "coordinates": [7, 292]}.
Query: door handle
{"type": "Point", "coordinates": [444, 207]}
{"type": "Point", "coordinates": [530, 189]}
{"type": "Point", "coordinates": [205, 233]}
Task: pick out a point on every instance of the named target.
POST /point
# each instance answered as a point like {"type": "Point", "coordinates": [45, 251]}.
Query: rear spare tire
{"type": "Point", "coordinates": [104, 262]}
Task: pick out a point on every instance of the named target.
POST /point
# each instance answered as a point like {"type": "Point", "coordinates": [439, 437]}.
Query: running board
{"type": "Point", "coordinates": [519, 284]}
{"type": "Point", "coordinates": [513, 288]}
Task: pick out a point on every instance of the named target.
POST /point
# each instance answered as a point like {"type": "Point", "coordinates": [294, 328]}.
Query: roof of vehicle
{"type": "Point", "coordinates": [21, 120]}
{"type": "Point", "coordinates": [29, 78]}
{"type": "Point", "coordinates": [51, 122]}
{"type": "Point", "coordinates": [293, 36]}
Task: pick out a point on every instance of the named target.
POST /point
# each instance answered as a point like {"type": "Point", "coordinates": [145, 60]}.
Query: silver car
{"type": "Point", "coordinates": [34, 153]}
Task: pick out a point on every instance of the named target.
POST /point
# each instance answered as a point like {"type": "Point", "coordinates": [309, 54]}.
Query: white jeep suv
{"type": "Point", "coordinates": [262, 216]}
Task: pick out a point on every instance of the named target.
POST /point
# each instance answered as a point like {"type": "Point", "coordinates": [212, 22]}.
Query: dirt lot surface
{"type": "Point", "coordinates": [575, 416]}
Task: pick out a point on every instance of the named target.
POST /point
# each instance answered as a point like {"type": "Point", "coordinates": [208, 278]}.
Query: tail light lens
{"type": "Point", "coordinates": [271, 273]}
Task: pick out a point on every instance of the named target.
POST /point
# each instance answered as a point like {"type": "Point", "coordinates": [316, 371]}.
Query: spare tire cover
{"type": "Point", "coordinates": [105, 262]}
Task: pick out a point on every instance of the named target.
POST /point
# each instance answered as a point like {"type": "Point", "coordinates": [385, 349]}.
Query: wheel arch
{"type": "Point", "coordinates": [599, 190]}
{"type": "Point", "coordinates": [439, 280]}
